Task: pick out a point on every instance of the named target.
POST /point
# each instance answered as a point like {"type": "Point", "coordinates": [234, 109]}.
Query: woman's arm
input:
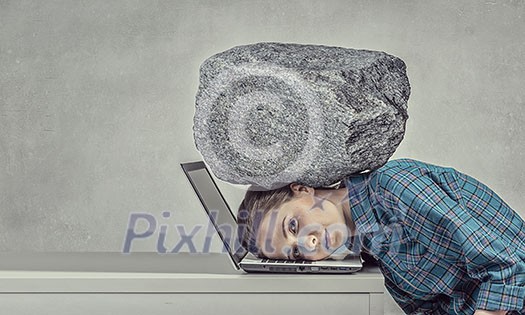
{"type": "Point", "coordinates": [435, 216]}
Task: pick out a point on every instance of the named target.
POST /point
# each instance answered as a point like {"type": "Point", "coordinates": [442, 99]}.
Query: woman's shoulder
{"type": "Point", "coordinates": [401, 170]}
{"type": "Point", "coordinates": [407, 170]}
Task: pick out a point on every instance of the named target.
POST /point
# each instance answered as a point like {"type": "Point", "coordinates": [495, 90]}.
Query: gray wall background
{"type": "Point", "coordinates": [97, 98]}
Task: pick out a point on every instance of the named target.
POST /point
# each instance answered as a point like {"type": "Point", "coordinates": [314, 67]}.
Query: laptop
{"type": "Point", "coordinates": [225, 224]}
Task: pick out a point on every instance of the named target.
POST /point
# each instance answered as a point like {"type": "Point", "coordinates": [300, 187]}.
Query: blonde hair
{"type": "Point", "coordinates": [255, 205]}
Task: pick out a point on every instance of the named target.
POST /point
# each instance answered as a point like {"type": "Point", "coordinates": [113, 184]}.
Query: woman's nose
{"type": "Point", "coordinates": [309, 242]}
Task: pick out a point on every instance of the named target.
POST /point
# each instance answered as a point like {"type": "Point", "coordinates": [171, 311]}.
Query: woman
{"type": "Point", "coordinates": [446, 243]}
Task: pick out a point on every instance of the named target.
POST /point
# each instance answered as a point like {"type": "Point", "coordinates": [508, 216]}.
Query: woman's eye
{"type": "Point", "coordinates": [292, 225]}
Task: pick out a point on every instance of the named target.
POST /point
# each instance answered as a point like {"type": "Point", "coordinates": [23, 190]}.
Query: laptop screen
{"type": "Point", "coordinates": [216, 207]}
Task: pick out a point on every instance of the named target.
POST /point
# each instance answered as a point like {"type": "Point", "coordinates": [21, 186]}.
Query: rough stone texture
{"type": "Point", "coordinates": [271, 113]}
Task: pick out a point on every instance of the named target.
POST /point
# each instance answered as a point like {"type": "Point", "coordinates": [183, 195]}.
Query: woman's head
{"type": "Point", "coordinates": [293, 222]}
{"type": "Point", "coordinates": [253, 208]}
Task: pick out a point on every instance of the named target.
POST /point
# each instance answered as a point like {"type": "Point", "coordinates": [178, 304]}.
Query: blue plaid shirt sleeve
{"type": "Point", "coordinates": [434, 210]}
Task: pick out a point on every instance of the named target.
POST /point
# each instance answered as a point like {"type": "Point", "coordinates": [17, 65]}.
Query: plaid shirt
{"type": "Point", "coordinates": [446, 243]}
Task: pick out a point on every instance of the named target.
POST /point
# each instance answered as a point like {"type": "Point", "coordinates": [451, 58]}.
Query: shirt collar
{"type": "Point", "coordinates": [363, 213]}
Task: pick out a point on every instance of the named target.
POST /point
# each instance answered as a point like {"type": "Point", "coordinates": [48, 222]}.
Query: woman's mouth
{"type": "Point", "coordinates": [327, 238]}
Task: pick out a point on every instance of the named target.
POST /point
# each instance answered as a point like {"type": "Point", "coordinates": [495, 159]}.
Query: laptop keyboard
{"type": "Point", "coordinates": [285, 261]}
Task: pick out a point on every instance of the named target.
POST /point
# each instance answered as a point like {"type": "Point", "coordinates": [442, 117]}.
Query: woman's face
{"type": "Point", "coordinates": [305, 227]}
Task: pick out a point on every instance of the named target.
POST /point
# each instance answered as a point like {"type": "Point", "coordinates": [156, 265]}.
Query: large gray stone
{"type": "Point", "coordinates": [271, 113]}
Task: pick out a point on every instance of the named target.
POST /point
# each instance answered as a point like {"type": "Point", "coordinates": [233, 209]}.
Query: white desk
{"type": "Point", "coordinates": [147, 283]}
